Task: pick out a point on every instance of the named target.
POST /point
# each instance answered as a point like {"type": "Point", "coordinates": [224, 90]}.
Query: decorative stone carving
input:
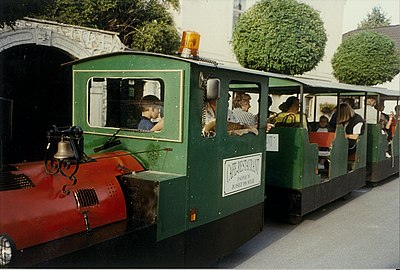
{"type": "Point", "coordinates": [78, 41]}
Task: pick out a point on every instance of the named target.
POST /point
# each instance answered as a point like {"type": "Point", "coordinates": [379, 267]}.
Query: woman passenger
{"type": "Point", "coordinates": [353, 123]}
{"type": "Point", "coordinates": [241, 106]}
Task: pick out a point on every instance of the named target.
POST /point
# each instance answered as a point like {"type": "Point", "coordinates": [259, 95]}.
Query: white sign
{"type": "Point", "coordinates": [272, 142]}
{"type": "Point", "coordinates": [241, 173]}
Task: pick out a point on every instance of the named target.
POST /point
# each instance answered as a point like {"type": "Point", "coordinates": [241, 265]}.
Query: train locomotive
{"type": "Point", "coordinates": [110, 194]}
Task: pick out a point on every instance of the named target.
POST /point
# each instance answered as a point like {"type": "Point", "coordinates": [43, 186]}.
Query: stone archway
{"type": "Point", "coordinates": [79, 42]}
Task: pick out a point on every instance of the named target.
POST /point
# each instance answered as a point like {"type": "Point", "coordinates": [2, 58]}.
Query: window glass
{"type": "Point", "coordinates": [125, 102]}
{"type": "Point", "coordinates": [238, 9]}
{"type": "Point", "coordinates": [243, 111]}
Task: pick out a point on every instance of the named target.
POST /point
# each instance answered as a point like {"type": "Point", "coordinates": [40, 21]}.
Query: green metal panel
{"type": "Point", "coordinates": [285, 167]}
{"type": "Point", "coordinates": [339, 156]}
{"type": "Point", "coordinates": [206, 155]}
{"type": "Point", "coordinates": [172, 210]}
{"type": "Point", "coordinates": [361, 153]}
{"type": "Point", "coordinates": [377, 143]}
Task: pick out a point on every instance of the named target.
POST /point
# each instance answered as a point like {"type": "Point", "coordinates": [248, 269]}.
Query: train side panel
{"type": "Point", "coordinates": [225, 215]}
{"type": "Point", "coordinates": [382, 159]}
{"type": "Point", "coordinates": [294, 185]}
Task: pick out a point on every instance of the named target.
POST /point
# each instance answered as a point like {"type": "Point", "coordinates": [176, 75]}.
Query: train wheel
{"type": "Point", "coordinates": [346, 197]}
{"type": "Point", "coordinates": [372, 184]}
{"type": "Point", "coordinates": [293, 219]}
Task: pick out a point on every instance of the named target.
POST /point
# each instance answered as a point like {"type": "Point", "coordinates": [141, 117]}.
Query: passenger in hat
{"type": "Point", "coordinates": [290, 115]}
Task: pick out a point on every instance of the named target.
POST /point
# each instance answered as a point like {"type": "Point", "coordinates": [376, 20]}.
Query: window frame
{"type": "Point", "coordinates": [173, 102]}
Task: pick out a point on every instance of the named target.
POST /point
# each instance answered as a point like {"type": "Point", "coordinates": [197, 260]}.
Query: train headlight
{"type": "Point", "coordinates": [7, 249]}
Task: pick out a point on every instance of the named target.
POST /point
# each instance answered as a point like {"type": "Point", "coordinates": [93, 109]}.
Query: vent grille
{"type": "Point", "coordinates": [9, 181]}
{"type": "Point", "coordinates": [86, 198]}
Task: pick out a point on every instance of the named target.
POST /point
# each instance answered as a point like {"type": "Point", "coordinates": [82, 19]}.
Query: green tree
{"type": "Point", "coordinates": [281, 36]}
{"type": "Point", "coordinates": [377, 18]}
{"type": "Point", "coordinates": [366, 58]}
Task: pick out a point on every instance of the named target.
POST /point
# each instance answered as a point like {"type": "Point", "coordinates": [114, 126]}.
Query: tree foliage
{"type": "Point", "coordinates": [12, 10]}
{"type": "Point", "coordinates": [281, 36]}
{"type": "Point", "coordinates": [130, 18]}
{"type": "Point", "coordinates": [366, 58]}
{"type": "Point", "coordinates": [148, 38]}
{"type": "Point", "coordinates": [377, 18]}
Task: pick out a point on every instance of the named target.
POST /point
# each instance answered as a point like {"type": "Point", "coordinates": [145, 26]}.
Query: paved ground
{"type": "Point", "coordinates": [362, 232]}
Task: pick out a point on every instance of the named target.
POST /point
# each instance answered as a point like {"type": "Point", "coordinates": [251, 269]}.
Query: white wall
{"type": "Point", "coordinates": [331, 12]}
{"type": "Point", "coordinates": [212, 19]}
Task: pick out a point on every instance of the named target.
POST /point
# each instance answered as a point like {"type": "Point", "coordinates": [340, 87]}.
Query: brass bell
{"type": "Point", "coordinates": [64, 150]}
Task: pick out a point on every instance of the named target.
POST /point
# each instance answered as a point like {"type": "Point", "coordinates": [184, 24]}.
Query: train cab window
{"type": "Point", "coordinates": [211, 89]}
{"type": "Point", "coordinates": [130, 103]}
{"type": "Point", "coordinates": [244, 109]}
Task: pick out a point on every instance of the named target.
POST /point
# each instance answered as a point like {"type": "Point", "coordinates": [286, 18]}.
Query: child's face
{"type": "Point", "coordinates": [323, 123]}
{"type": "Point", "coordinates": [155, 112]}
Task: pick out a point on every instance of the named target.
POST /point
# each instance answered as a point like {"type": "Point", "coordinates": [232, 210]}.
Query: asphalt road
{"type": "Point", "coordinates": [362, 232]}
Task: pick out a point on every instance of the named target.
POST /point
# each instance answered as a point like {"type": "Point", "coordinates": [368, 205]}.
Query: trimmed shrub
{"type": "Point", "coordinates": [281, 36]}
{"type": "Point", "coordinates": [366, 58]}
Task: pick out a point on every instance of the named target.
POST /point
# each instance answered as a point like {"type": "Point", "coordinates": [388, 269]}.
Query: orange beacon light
{"type": "Point", "coordinates": [189, 47]}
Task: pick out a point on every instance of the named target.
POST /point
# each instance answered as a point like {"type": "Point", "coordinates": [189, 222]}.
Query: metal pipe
{"type": "Point", "coordinates": [301, 105]}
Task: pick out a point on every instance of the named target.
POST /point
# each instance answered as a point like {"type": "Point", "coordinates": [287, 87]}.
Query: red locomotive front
{"type": "Point", "coordinates": [38, 206]}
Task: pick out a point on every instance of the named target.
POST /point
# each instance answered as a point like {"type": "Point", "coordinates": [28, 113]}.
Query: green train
{"type": "Point", "coordinates": [117, 190]}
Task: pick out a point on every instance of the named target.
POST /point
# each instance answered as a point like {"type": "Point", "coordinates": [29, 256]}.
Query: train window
{"type": "Point", "coordinates": [243, 108]}
{"type": "Point", "coordinates": [121, 102]}
{"type": "Point", "coordinates": [209, 111]}
{"type": "Point", "coordinates": [353, 101]}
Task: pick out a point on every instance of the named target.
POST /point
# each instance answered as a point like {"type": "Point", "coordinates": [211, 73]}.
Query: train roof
{"type": "Point", "coordinates": [278, 83]}
{"type": "Point", "coordinates": [200, 61]}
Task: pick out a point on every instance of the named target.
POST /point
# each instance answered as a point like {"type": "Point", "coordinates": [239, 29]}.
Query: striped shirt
{"type": "Point", "coordinates": [245, 118]}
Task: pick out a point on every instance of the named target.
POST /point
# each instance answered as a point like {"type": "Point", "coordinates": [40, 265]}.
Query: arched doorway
{"type": "Point", "coordinates": [40, 92]}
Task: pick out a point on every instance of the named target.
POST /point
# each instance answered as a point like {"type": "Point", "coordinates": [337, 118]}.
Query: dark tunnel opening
{"type": "Point", "coordinates": [35, 93]}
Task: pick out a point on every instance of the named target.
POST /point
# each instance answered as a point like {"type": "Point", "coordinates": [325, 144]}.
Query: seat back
{"type": "Point", "coordinates": [323, 139]}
